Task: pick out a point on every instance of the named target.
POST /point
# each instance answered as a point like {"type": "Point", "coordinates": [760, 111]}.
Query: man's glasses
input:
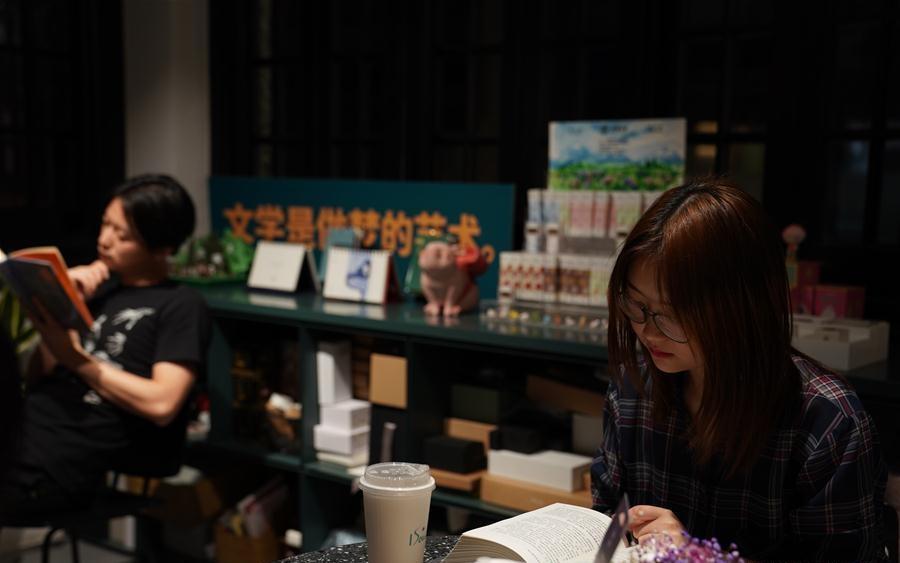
{"type": "Point", "coordinates": [638, 313]}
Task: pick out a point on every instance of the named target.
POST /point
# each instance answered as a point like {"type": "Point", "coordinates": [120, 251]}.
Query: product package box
{"type": "Point", "coordinates": [558, 470]}
{"type": "Point", "coordinates": [469, 430]}
{"type": "Point", "coordinates": [841, 344]}
{"type": "Point", "coordinates": [348, 443]}
{"type": "Point", "coordinates": [519, 495]}
{"type": "Point", "coordinates": [839, 301]}
{"type": "Point", "coordinates": [467, 482]}
{"type": "Point", "coordinates": [348, 415]}
{"type": "Point", "coordinates": [333, 372]}
{"type": "Point", "coordinates": [191, 498]}
{"type": "Point", "coordinates": [387, 383]}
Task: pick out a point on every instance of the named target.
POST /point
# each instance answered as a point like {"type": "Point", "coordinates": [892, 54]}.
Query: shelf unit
{"type": "Point", "coordinates": [425, 342]}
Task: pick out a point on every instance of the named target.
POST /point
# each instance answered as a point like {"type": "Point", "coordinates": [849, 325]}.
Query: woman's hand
{"type": "Point", "coordinates": [647, 521]}
{"type": "Point", "coordinates": [88, 278]}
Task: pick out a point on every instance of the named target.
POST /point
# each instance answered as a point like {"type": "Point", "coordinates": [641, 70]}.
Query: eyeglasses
{"type": "Point", "coordinates": [638, 313]}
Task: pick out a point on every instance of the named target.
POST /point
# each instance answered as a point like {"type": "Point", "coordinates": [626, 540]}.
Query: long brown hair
{"type": "Point", "coordinates": [720, 264]}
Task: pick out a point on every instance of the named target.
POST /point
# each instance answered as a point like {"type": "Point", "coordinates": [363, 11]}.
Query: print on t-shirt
{"type": "Point", "coordinates": [114, 343]}
{"type": "Point", "coordinates": [131, 316]}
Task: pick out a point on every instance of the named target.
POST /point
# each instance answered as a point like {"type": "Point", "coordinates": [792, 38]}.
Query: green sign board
{"type": "Point", "coordinates": [388, 214]}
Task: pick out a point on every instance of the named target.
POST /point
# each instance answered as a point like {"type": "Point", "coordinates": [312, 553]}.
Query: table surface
{"type": "Point", "coordinates": [436, 548]}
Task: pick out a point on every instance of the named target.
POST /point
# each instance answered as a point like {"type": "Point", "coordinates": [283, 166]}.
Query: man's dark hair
{"type": "Point", "coordinates": [159, 209]}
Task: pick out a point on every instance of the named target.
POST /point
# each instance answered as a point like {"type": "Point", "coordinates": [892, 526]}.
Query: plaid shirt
{"type": "Point", "coordinates": [815, 493]}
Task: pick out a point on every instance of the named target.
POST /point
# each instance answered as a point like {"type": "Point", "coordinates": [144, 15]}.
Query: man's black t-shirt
{"type": "Point", "coordinates": [70, 431]}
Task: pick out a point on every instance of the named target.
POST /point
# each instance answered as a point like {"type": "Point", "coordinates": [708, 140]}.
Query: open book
{"type": "Point", "coordinates": [559, 533]}
{"type": "Point", "coordinates": [40, 274]}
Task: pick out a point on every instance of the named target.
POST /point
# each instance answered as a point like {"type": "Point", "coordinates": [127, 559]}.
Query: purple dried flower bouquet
{"type": "Point", "coordinates": [663, 549]}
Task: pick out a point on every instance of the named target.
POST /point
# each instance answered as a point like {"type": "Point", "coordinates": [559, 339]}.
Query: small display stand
{"type": "Point", "coordinates": [282, 266]}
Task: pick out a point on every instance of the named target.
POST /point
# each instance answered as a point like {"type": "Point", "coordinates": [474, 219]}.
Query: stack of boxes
{"type": "Point", "coordinates": [525, 466]}
{"type": "Point", "coordinates": [570, 243]}
{"type": "Point", "coordinates": [598, 214]}
{"type": "Point", "coordinates": [527, 479]}
{"type": "Point", "coordinates": [342, 435]}
{"type": "Point", "coordinates": [555, 278]}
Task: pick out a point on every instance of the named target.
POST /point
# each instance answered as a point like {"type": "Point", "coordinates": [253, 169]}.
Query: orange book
{"type": "Point", "coordinates": [40, 274]}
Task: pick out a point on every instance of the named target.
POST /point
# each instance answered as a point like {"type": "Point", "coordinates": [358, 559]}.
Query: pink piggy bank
{"type": "Point", "coordinates": [448, 277]}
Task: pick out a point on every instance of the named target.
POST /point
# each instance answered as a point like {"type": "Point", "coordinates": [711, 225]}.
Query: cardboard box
{"type": "Point", "coordinates": [802, 273]}
{"type": "Point", "coordinates": [190, 498]}
{"type": "Point", "coordinates": [387, 380]}
{"type": "Point", "coordinates": [470, 430]}
{"type": "Point", "coordinates": [471, 402]}
{"type": "Point", "coordinates": [333, 372]}
{"type": "Point", "coordinates": [555, 394]}
{"type": "Point", "coordinates": [347, 415]}
{"type": "Point", "coordinates": [523, 496]}
{"type": "Point", "coordinates": [558, 470]}
{"type": "Point", "coordinates": [839, 301]}
{"type": "Point", "coordinates": [804, 299]}
{"type": "Point", "coordinates": [232, 548]}
{"type": "Point", "coordinates": [188, 541]}
{"type": "Point", "coordinates": [339, 441]}
{"type": "Point", "coordinates": [841, 344]}
{"type": "Point", "coordinates": [459, 481]}
{"type": "Point", "coordinates": [587, 433]}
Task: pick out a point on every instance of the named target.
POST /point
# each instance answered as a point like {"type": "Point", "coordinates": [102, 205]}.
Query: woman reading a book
{"type": "Point", "coordinates": [126, 382]}
{"type": "Point", "coordinates": [714, 424]}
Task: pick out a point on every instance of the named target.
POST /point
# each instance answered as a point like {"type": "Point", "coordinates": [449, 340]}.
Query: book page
{"type": "Point", "coordinates": [559, 532]}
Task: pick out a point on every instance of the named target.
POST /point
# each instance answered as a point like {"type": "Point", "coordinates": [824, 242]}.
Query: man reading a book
{"type": "Point", "coordinates": [126, 382]}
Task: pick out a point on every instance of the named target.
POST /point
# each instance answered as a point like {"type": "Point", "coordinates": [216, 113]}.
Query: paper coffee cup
{"type": "Point", "coordinates": [396, 497]}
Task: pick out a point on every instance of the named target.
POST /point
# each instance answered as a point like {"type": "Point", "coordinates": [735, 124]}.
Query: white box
{"type": "Point", "coordinates": [340, 442]}
{"type": "Point", "coordinates": [333, 372]}
{"type": "Point", "coordinates": [559, 470]}
{"type": "Point", "coordinates": [841, 344]}
{"type": "Point", "coordinates": [348, 416]}
{"type": "Point", "coordinates": [587, 433]}
{"type": "Point", "coordinates": [361, 458]}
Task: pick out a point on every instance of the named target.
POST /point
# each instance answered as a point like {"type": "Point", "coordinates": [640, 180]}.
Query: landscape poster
{"type": "Point", "coordinates": [619, 155]}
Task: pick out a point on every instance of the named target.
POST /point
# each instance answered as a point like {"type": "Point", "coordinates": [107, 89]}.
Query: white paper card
{"type": "Point", "coordinates": [277, 265]}
{"type": "Point", "coordinates": [358, 275]}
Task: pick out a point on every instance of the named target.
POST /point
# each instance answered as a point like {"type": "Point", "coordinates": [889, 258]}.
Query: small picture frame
{"type": "Point", "coordinates": [362, 275]}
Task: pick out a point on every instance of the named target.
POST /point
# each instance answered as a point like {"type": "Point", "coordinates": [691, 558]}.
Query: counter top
{"type": "Point", "coordinates": [436, 548]}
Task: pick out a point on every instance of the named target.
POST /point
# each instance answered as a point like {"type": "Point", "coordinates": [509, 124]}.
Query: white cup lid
{"type": "Point", "coordinates": [396, 477]}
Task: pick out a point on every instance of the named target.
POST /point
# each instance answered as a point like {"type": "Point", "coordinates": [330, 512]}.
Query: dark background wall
{"type": "Point", "coordinates": [798, 101]}
{"type": "Point", "coordinates": [61, 121]}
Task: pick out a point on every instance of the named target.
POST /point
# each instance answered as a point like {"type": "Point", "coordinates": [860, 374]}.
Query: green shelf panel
{"type": "Point", "coordinates": [275, 460]}
{"type": "Point", "coordinates": [329, 471]}
{"type": "Point", "coordinates": [405, 319]}
{"type": "Point", "coordinates": [445, 497]}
